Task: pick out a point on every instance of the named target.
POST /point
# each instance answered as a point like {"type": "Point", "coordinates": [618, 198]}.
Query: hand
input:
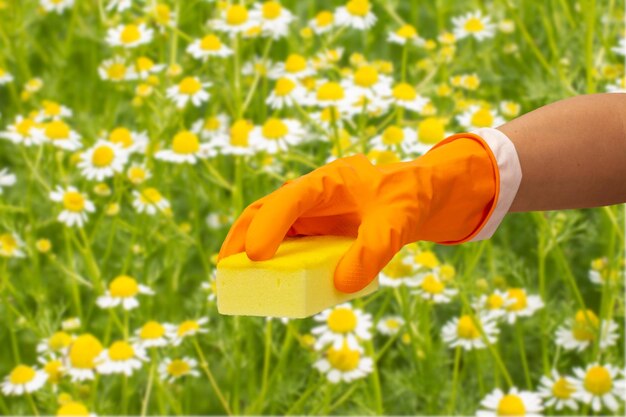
{"type": "Point", "coordinates": [442, 196]}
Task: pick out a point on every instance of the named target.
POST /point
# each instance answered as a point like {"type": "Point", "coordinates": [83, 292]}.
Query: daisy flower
{"type": "Point", "coordinates": [130, 35]}
{"type": "Point", "coordinates": [186, 148]}
{"type": "Point", "coordinates": [513, 403]}
{"type": "Point", "coordinates": [277, 134]}
{"type": "Point", "coordinates": [618, 86]}
{"type": "Point", "coordinates": [121, 358]}
{"type": "Point", "coordinates": [118, 5]}
{"type": "Point", "coordinates": [53, 367]}
{"type": "Point", "coordinates": [509, 108]}
{"type": "Point", "coordinates": [187, 328]}
{"type": "Point", "coordinates": [162, 15]}
{"type": "Point", "coordinates": [390, 325]}
{"type": "Point", "coordinates": [208, 46]}
{"type": "Point", "coordinates": [462, 331]}
{"type": "Point", "coordinates": [123, 290]}
{"type": "Point", "coordinates": [399, 271]}
{"type": "Point", "coordinates": [494, 304]}
{"type": "Point", "coordinates": [286, 93]}
{"type": "Point", "coordinates": [261, 67]}
{"type": "Point", "coordinates": [600, 386]}
{"type": "Point", "coordinates": [581, 332]}
{"type": "Point", "coordinates": [73, 323]}
{"type": "Point", "coordinates": [59, 134]}
{"type": "Point", "coordinates": [330, 93]}
{"type": "Point", "coordinates": [342, 324]}
{"type": "Point", "coordinates": [7, 179]}
{"type": "Point", "coordinates": [367, 81]}
{"type": "Point", "coordinates": [234, 19]}
{"type": "Point", "coordinates": [356, 14]}
{"type": "Point", "coordinates": [405, 95]}
{"type": "Point", "coordinates": [273, 18]}
{"type": "Point", "coordinates": [151, 334]}
{"type": "Point", "coordinates": [150, 201]}
{"type": "Point", "coordinates": [558, 391]}
{"type": "Point", "coordinates": [144, 67]}
{"type": "Point", "coordinates": [330, 116]}
{"type": "Point", "coordinates": [102, 160]}
{"type": "Point", "coordinates": [323, 22]}
{"type": "Point", "coordinates": [237, 142]}
{"type": "Point", "coordinates": [75, 205]}
{"type": "Point", "coordinates": [11, 246]}
{"type": "Point", "coordinates": [5, 77]}
{"type": "Point", "coordinates": [116, 69]}
{"type": "Point", "coordinates": [430, 287]}
{"type": "Point", "coordinates": [426, 260]}
{"type": "Point", "coordinates": [211, 288]}
{"type": "Point", "coordinates": [138, 174]}
{"type": "Point", "coordinates": [620, 49]}
{"type": "Point", "coordinates": [473, 24]}
{"type": "Point", "coordinates": [130, 141]}
{"type": "Point", "coordinates": [211, 127]}
{"type": "Point", "coordinates": [52, 110]}
{"type": "Point", "coordinates": [189, 89]}
{"type": "Point", "coordinates": [23, 131]}
{"type": "Point", "coordinates": [406, 33]}
{"type": "Point", "coordinates": [295, 66]}
{"type": "Point", "coordinates": [74, 408]}
{"type": "Point", "coordinates": [395, 138]}
{"type": "Point", "coordinates": [600, 273]}
{"type": "Point", "coordinates": [83, 357]}
{"type": "Point", "coordinates": [58, 343]}
{"type": "Point", "coordinates": [478, 116]}
{"type": "Point", "coordinates": [523, 305]}
{"type": "Point", "coordinates": [172, 369]}
{"type": "Point", "coordinates": [58, 6]}
{"type": "Point", "coordinates": [23, 379]}
{"type": "Point", "coordinates": [430, 131]}
{"type": "Point", "coordinates": [344, 363]}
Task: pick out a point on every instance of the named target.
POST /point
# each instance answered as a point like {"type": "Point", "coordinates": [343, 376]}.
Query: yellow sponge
{"type": "Point", "coordinates": [297, 282]}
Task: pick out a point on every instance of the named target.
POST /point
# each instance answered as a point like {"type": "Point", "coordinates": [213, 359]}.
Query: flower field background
{"type": "Point", "coordinates": [132, 133]}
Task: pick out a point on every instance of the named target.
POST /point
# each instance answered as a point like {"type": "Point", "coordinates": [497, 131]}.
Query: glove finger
{"type": "Point", "coordinates": [377, 242]}
{"type": "Point", "coordinates": [272, 222]}
{"type": "Point", "coordinates": [236, 237]}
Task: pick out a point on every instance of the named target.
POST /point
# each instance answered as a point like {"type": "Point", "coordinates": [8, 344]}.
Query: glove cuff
{"type": "Point", "coordinates": [510, 177]}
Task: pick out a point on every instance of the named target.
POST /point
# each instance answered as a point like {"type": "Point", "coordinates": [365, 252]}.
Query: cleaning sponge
{"type": "Point", "coordinates": [297, 282]}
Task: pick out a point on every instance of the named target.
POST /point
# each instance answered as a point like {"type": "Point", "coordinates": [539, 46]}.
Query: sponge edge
{"type": "Point", "coordinates": [296, 283]}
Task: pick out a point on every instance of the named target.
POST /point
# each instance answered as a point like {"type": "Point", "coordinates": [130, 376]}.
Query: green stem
{"type": "Point", "coordinates": [205, 367]}
{"type": "Point", "coordinates": [519, 332]}
{"type": "Point", "coordinates": [455, 380]}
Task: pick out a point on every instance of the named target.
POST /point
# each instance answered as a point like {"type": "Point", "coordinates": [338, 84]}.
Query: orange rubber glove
{"type": "Point", "coordinates": [445, 196]}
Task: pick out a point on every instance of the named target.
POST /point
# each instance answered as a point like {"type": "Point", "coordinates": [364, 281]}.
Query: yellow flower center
{"type": "Point", "coordinates": [274, 128]}
{"type": "Point", "coordinates": [150, 196]}
{"type": "Point", "coordinates": [330, 114]}
{"type": "Point", "coordinates": [212, 123]}
{"type": "Point", "coordinates": [407, 32]}
{"type": "Point", "coordinates": [122, 136]}
{"type": "Point", "coordinates": [123, 287]}
{"type": "Point", "coordinates": [188, 326]}
{"type": "Point", "coordinates": [59, 340]}
{"type": "Point", "coordinates": [432, 285]}
{"type": "Point", "coordinates": [511, 405]}
{"type": "Point", "coordinates": [393, 135]}
{"type": "Point", "coordinates": [598, 380]}
{"type": "Point", "coordinates": [404, 92]}
{"type": "Point", "coordinates": [482, 118]}
{"type": "Point", "coordinates": [54, 369]}
{"type": "Point", "coordinates": [116, 71]}
{"type": "Point", "coordinates": [284, 86]}
{"type": "Point", "coordinates": [162, 13]}
{"type": "Point", "coordinates": [84, 351]}
{"type": "Point", "coordinates": [239, 133]}
{"type": "Point", "coordinates": [383, 157]}
{"type": "Point", "coordinates": [121, 351]}
{"type": "Point", "coordinates": [344, 359]}
{"type": "Point", "coordinates": [562, 389]}
{"type": "Point", "coordinates": [144, 63]}
{"type": "Point", "coordinates": [397, 268]}
{"type": "Point", "coordinates": [22, 374]}
{"type": "Point", "coordinates": [210, 43]}
{"type": "Point", "coordinates": [324, 18]}
{"type": "Point", "coordinates": [50, 108]}
{"type": "Point", "coordinates": [8, 243]}
{"type": "Point", "coordinates": [271, 10]}
{"type": "Point", "coordinates": [494, 302]}
{"type": "Point", "coordinates": [366, 76]}
{"type": "Point", "coordinates": [102, 156]}
{"type": "Point", "coordinates": [295, 63]}
{"type": "Point", "coordinates": [466, 329]}
{"type": "Point", "coordinates": [431, 130]}
{"type": "Point", "coordinates": [152, 330]}
{"type": "Point", "coordinates": [178, 367]}
{"type": "Point", "coordinates": [73, 201]}
{"type": "Point", "coordinates": [189, 86]}
{"type": "Point", "coordinates": [330, 91]}
{"type": "Point", "coordinates": [358, 7]}
{"type": "Point", "coordinates": [519, 295]}
{"type": "Point", "coordinates": [130, 34]}
{"type": "Point", "coordinates": [585, 326]}
{"type": "Point", "coordinates": [392, 323]}
{"type": "Point", "coordinates": [136, 174]}
{"type": "Point", "coordinates": [73, 408]}
{"type": "Point", "coordinates": [24, 126]}
{"type": "Point", "coordinates": [2, 72]}
{"type": "Point", "coordinates": [474, 25]}
{"type": "Point", "coordinates": [342, 320]}
{"type": "Point", "coordinates": [427, 259]}
{"type": "Point", "coordinates": [185, 143]}
{"type": "Point", "coordinates": [57, 130]}
{"type": "Point", "coordinates": [236, 15]}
